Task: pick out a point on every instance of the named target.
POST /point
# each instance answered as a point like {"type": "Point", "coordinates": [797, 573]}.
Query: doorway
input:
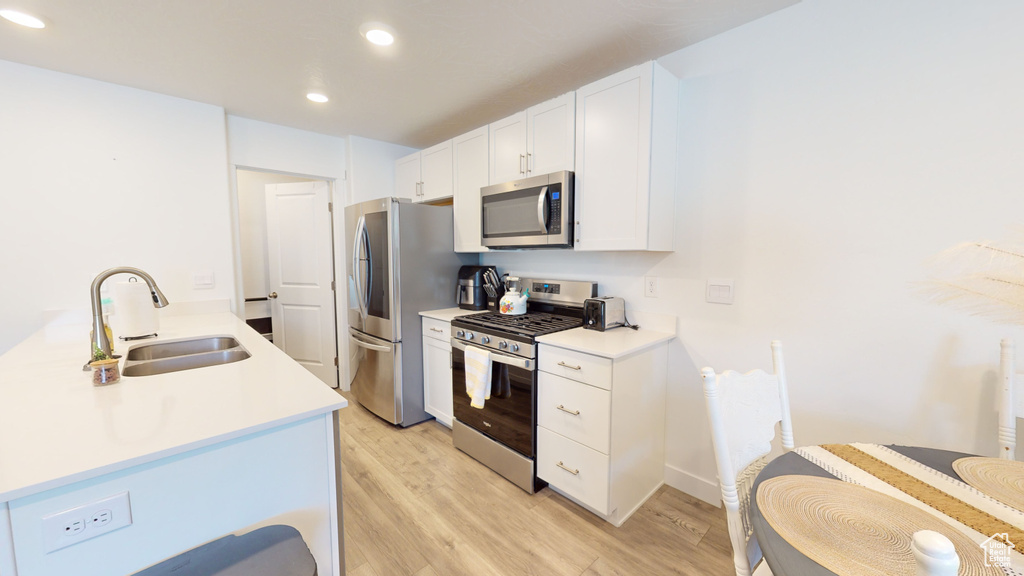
{"type": "Point", "coordinates": [287, 265]}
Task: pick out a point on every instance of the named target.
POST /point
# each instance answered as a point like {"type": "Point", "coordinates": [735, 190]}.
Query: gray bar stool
{"type": "Point", "coordinates": [269, 551]}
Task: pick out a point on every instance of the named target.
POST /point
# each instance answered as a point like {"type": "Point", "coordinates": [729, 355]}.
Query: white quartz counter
{"type": "Point", "coordinates": [447, 314]}
{"type": "Point", "coordinates": [613, 344]}
{"type": "Point", "coordinates": [57, 428]}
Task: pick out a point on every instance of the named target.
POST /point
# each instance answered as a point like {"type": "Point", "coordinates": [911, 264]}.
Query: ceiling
{"type": "Point", "coordinates": [455, 65]}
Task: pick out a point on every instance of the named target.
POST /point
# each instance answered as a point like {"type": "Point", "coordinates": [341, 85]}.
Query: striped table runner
{"type": "Point", "coordinates": [884, 470]}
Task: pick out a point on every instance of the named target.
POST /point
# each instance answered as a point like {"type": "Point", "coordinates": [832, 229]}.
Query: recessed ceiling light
{"type": "Point", "coordinates": [315, 97]}
{"type": "Point", "coordinates": [22, 18]}
{"type": "Point", "coordinates": [377, 33]}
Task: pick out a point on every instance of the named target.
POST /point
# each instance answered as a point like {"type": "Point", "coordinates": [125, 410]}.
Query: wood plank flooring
{"type": "Point", "coordinates": [416, 506]}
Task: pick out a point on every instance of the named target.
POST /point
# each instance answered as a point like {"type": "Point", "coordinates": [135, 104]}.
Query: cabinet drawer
{"type": "Point", "coordinates": [437, 329]}
{"type": "Point", "coordinates": [576, 470]}
{"type": "Point", "coordinates": [575, 410]}
{"type": "Point", "coordinates": [593, 370]}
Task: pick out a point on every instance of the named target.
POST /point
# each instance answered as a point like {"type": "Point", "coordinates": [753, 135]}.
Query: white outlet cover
{"type": "Point", "coordinates": [202, 280]}
{"type": "Point", "coordinates": [98, 518]}
{"type": "Point", "coordinates": [720, 290]}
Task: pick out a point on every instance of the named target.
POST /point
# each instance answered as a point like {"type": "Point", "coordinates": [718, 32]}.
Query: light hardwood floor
{"type": "Point", "coordinates": [416, 506]}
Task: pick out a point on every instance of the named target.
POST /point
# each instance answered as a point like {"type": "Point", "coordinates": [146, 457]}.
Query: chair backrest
{"type": "Point", "coordinates": [743, 410]}
{"type": "Point", "coordinates": [1010, 398]}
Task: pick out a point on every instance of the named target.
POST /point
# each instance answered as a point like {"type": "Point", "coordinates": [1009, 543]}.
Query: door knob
{"type": "Point", "coordinates": [272, 295]}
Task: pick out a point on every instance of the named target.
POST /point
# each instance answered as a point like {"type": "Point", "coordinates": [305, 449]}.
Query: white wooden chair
{"type": "Point", "coordinates": [743, 410]}
{"type": "Point", "coordinates": [1010, 400]}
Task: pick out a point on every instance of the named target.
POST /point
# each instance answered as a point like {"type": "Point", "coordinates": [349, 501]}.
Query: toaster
{"type": "Point", "coordinates": [604, 313]}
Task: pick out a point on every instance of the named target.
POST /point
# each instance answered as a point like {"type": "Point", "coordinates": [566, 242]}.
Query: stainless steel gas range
{"type": "Point", "coordinates": [502, 435]}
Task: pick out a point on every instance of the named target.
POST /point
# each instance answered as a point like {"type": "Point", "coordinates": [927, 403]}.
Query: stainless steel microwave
{"type": "Point", "coordinates": [529, 213]}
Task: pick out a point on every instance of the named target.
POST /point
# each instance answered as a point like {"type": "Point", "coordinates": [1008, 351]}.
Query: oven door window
{"type": "Point", "coordinates": [511, 214]}
{"type": "Point", "coordinates": [508, 416]}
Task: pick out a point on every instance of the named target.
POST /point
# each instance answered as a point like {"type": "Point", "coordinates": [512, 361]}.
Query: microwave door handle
{"type": "Point", "coordinates": [542, 209]}
{"type": "Point", "coordinates": [523, 363]}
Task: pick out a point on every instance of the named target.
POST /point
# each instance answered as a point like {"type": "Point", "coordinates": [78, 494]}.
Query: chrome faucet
{"type": "Point", "coordinates": [99, 338]}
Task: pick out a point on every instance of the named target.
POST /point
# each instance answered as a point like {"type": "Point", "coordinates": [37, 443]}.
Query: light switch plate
{"type": "Point", "coordinates": [720, 291]}
{"type": "Point", "coordinates": [202, 280]}
{"type": "Point", "coordinates": [83, 522]}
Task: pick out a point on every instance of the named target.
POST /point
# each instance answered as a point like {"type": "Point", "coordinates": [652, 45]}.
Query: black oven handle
{"type": "Point", "coordinates": [524, 363]}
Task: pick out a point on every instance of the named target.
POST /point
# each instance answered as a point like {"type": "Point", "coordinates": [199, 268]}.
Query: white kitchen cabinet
{"type": "Point", "coordinates": [407, 176]}
{"type": "Point", "coordinates": [470, 168]}
{"type": "Point", "coordinates": [625, 160]}
{"type": "Point", "coordinates": [601, 427]}
{"type": "Point", "coordinates": [425, 176]}
{"type": "Point", "coordinates": [437, 370]}
{"type": "Point", "coordinates": [537, 141]}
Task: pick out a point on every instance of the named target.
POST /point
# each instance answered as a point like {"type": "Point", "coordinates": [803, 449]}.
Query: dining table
{"type": "Point", "coordinates": [851, 509]}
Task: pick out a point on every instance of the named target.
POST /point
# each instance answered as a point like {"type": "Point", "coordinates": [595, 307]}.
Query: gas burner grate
{"type": "Point", "coordinates": [529, 324]}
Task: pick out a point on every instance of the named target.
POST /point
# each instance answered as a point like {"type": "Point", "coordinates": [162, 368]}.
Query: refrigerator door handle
{"type": "Point", "coordinates": [357, 244]}
{"type": "Point", "coordinates": [368, 345]}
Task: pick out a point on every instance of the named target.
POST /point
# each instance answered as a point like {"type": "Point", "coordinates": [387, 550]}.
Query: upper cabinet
{"type": "Point", "coordinates": [425, 176]}
{"type": "Point", "coordinates": [469, 159]}
{"type": "Point", "coordinates": [538, 141]}
{"type": "Point", "coordinates": [625, 160]}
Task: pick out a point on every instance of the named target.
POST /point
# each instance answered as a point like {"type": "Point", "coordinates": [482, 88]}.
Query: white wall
{"type": "Point", "coordinates": [825, 152]}
{"type": "Point", "coordinates": [372, 168]}
{"type": "Point", "coordinates": [95, 175]}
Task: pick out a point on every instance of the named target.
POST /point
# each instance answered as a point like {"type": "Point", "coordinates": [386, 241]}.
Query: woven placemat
{"type": "Point", "coordinates": [855, 531]}
{"type": "Point", "coordinates": [1000, 479]}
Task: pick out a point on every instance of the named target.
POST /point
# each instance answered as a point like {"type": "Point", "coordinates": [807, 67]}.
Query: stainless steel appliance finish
{"type": "Point", "coordinates": [474, 287]}
{"type": "Point", "coordinates": [401, 261]}
{"type": "Point", "coordinates": [604, 313]}
{"type": "Point", "coordinates": [502, 435]}
{"type": "Point", "coordinates": [529, 213]}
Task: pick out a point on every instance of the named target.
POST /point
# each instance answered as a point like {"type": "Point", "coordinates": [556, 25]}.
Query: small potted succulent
{"type": "Point", "coordinates": [104, 368]}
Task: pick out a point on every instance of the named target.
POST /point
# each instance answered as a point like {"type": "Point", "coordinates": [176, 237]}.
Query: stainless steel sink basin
{"type": "Point", "coordinates": [182, 354]}
{"type": "Point", "coordinates": [181, 347]}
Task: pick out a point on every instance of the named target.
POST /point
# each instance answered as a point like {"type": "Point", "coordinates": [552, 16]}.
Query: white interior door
{"type": "Point", "coordinates": [301, 272]}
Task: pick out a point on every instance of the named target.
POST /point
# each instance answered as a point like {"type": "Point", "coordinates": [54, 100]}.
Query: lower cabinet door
{"type": "Point", "coordinates": [437, 379]}
{"type": "Point", "coordinates": [574, 469]}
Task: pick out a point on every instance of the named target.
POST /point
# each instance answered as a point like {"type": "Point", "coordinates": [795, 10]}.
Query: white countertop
{"type": "Point", "coordinates": [57, 428]}
{"type": "Point", "coordinates": [614, 343]}
{"type": "Point", "coordinates": [447, 314]}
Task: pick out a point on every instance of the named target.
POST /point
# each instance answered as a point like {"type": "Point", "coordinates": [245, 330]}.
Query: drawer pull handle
{"type": "Point", "coordinates": [564, 365]}
{"type": "Point", "coordinates": [569, 470]}
{"type": "Point", "coordinates": [437, 330]}
{"type": "Point", "coordinates": [564, 409]}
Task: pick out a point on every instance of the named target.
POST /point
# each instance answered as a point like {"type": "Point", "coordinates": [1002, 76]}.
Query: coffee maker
{"type": "Point", "coordinates": [473, 283]}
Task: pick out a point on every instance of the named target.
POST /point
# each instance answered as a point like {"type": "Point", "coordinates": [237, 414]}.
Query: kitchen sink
{"type": "Point", "coordinates": [181, 347]}
{"type": "Point", "coordinates": [182, 354]}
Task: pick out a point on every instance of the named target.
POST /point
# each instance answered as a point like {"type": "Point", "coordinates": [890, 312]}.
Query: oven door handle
{"type": "Point", "coordinates": [524, 363]}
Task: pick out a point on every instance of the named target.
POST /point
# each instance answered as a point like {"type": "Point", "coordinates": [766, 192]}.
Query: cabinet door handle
{"type": "Point", "coordinates": [564, 365]}
{"type": "Point", "coordinates": [522, 168]}
{"type": "Point", "coordinates": [577, 231]}
{"type": "Point", "coordinates": [567, 411]}
{"type": "Point", "coordinates": [575, 472]}
{"type": "Point", "coordinates": [528, 169]}
{"type": "Point", "coordinates": [437, 330]}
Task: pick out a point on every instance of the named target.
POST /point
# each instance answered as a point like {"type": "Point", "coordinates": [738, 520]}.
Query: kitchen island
{"type": "Point", "coordinates": [200, 453]}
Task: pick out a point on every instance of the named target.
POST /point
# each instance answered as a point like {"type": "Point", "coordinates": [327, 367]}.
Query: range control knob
{"type": "Point", "coordinates": [469, 335]}
{"type": "Point", "coordinates": [502, 345]}
{"type": "Point", "coordinates": [460, 333]}
{"type": "Point", "coordinates": [515, 347]}
{"type": "Point", "coordinates": [485, 340]}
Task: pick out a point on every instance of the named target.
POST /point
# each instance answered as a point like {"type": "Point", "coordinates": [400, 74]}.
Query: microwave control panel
{"type": "Point", "coordinates": [555, 210]}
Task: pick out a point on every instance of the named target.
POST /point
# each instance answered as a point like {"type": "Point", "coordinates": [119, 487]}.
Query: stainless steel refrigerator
{"type": "Point", "coordinates": [401, 261]}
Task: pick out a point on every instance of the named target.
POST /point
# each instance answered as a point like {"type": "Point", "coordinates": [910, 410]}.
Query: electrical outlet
{"type": "Point", "coordinates": [83, 522]}
{"type": "Point", "coordinates": [651, 286]}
